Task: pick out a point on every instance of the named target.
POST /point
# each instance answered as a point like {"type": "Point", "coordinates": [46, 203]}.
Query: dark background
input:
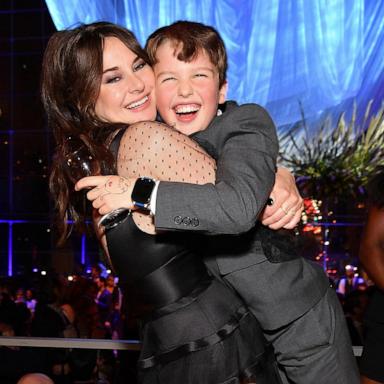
{"type": "Point", "coordinates": [26, 145]}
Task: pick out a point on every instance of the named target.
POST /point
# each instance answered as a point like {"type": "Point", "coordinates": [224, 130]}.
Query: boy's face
{"type": "Point", "coordinates": [187, 94]}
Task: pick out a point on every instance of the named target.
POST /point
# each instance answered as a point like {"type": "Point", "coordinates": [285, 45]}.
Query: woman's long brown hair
{"type": "Point", "coordinates": [70, 84]}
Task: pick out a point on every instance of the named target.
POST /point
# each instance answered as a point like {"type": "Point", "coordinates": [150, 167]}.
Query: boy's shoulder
{"type": "Point", "coordinates": [232, 108]}
{"type": "Point", "coordinates": [233, 116]}
{"type": "Point", "coordinates": [246, 122]}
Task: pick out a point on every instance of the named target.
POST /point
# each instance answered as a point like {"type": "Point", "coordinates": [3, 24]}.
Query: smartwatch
{"type": "Point", "coordinates": [142, 190]}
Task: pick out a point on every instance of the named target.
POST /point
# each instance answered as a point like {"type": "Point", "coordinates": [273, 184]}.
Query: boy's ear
{"type": "Point", "coordinates": [223, 92]}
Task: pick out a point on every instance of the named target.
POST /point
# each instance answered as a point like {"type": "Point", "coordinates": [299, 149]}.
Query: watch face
{"type": "Point", "coordinates": [142, 190]}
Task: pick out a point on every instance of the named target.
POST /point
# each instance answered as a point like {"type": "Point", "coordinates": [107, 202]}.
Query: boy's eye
{"type": "Point", "coordinates": [139, 65]}
{"type": "Point", "coordinates": [168, 78]}
{"type": "Point", "coordinates": [201, 75]}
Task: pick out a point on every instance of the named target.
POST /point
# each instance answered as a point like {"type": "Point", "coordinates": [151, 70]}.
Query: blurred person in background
{"type": "Point", "coordinates": [372, 258]}
{"type": "Point", "coordinates": [35, 378]}
{"type": "Point", "coordinates": [30, 301]}
{"type": "Point", "coordinates": [350, 282]}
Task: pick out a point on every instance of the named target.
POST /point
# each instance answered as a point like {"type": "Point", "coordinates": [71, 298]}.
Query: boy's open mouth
{"type": "Point", "coordinates": [186, 112]}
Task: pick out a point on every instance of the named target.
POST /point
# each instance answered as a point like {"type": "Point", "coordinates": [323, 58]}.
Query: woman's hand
{"type": "Point", "coordinates": [107, 193]}
{"type": "Point", "coordinates": [285, 211]}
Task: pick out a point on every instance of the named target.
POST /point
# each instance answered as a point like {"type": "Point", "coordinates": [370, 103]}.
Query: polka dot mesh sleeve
{"type": "Point", "coordinates": [155, 150]}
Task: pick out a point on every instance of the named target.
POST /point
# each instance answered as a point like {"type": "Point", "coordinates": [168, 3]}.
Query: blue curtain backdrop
{"type": "Point", "coordinates": [324, 54]}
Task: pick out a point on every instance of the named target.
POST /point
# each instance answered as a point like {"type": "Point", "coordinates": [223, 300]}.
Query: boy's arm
{"type": "Point", "coordinates": [246, 144]}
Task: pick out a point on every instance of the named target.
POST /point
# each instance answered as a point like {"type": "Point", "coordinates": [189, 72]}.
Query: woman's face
{"type": "Point", "coordinates": [127, 86]}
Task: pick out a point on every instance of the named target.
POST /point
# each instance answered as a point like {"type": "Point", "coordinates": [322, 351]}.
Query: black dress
{"type": "Point", "coordinates": [195, 330]}
{"type": "Point", "coordinates": [371, 362]}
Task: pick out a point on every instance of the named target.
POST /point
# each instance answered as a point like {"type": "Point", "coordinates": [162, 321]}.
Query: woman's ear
{"type": "Point", "coordinates": [223, 92]}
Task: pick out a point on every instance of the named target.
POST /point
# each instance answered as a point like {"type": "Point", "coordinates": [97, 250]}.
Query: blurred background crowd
{"type": "Point", "coordinates": [90, 305]}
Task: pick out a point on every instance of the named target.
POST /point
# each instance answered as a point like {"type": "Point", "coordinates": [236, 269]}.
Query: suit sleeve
{"type": "Point", "coordinates": [246, 144]}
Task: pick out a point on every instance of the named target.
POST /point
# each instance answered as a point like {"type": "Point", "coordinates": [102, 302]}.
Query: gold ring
{"type": "Point", "coordinates": [284, 210]}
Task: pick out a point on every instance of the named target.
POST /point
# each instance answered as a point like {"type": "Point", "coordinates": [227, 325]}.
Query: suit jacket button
{"type": "Point", "coordinates": [186, 221]}
{"type": "Point", "coordinates": [195, 221]}
{"type": "Point", "coordinates": [177, 220]}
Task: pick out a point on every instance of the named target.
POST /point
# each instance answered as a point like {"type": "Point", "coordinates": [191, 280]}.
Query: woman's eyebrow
{"type": "Point", "coordinates": [110, 69]}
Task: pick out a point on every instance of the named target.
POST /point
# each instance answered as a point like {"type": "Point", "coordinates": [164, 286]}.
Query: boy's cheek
{"type": "Point", "coordinates": [164, 109]}
{"type": "Point", "coordinates": [163, 98]}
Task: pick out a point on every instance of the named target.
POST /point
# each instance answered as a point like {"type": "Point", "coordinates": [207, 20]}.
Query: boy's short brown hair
{"type": "Point", "coordinates": [191, 37]}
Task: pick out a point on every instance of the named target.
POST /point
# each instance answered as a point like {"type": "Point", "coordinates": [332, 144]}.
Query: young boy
{"type": "Point", "coordinates": [290, 296]}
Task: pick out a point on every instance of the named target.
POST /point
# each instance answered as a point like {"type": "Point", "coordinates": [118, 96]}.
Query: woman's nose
{"type": "Point", "coordinates": [135, 84]}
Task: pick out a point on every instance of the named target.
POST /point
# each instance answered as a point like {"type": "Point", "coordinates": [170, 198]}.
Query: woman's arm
{"type": "Point", "coordinates": [372, 246]}
{"type": "Point", "coordinates": [155, 150]}
{"type": "Point", "coordinates": [149, 149]}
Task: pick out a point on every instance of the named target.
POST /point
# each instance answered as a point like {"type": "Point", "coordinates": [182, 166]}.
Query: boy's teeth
{"type": "Point", "coordinates": [137, 103]}
{"type": "Point", "coordinates": [186, 108]}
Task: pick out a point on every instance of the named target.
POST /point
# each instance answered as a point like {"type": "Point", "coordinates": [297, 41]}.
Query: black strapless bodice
{"type": "Point", "coordinates": [135, 253]}
{"type": "Point", "coordinates": [157, 269]}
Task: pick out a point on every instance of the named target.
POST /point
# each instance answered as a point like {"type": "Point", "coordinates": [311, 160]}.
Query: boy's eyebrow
{"type": "Point", "coordinates": [194, 69]}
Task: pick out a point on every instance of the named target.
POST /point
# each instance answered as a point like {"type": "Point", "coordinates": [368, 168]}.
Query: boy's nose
{"type": "Point", "coordinates": [185, 89]}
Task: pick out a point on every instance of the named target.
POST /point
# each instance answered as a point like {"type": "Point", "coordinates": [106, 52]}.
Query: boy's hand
{"type": "Point", "coordinates": [107, 193]}
{"type": "Point", "coordinates": [285, 212]}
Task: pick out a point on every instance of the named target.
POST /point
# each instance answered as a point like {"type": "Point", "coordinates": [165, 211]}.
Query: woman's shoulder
{"type": "Point", "coordinates": [149, 127]}
{"type": "Point", "coordinates": [155, 135]}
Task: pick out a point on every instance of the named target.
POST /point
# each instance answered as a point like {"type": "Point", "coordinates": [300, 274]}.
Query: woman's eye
{"type": "Point", "coordinates": [114, 79]}
{"type": "Point", "coordinates": [139, 65]}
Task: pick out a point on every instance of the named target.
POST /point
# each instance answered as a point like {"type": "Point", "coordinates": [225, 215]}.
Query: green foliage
{"type": "Point", "coordinates": [337, 161]}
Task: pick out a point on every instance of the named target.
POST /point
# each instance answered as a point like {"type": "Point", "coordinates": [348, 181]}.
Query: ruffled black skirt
{"type": "Point", "coordinates": [207, 337]}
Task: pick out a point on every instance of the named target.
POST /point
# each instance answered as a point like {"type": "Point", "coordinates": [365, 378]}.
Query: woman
{"type": "Point", "coordinates": [372, 258]}
{"type": "Point", "coordinates": [195, 329]}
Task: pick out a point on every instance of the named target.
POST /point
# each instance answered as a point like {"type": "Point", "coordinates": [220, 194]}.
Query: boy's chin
{"type": "Point", "coordinates": [186, 129]}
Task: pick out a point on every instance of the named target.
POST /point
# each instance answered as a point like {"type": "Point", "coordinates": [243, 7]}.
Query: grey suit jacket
{"type": "Point", "coordinates": [262, 265]}
{"type": "Point", "coordinates": [243, 141]}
